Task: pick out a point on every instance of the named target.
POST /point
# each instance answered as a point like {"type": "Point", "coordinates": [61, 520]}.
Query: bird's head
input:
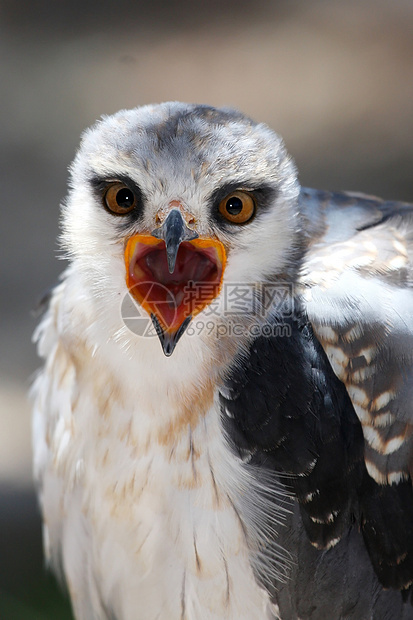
{"type": "Point", "coordinates": [171, 201]}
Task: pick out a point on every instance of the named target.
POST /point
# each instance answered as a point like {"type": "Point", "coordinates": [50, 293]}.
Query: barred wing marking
{"type": "Point", "coordinates": [357, 289]}
{"type": "Point", "coordinates": [359, 298]}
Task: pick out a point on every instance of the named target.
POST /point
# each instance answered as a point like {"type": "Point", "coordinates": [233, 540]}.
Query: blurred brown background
{"type": "Point", "coordinates": [335, 79]}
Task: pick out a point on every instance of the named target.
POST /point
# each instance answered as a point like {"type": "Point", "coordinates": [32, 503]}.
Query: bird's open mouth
{"type": "Point", "coordinates": [172, 299]}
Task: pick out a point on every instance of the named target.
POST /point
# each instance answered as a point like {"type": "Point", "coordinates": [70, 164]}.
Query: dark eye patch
{"type": "Point", "coordinates": [263, 195]}
{"type": "Point", "coordinates": [100, 186]}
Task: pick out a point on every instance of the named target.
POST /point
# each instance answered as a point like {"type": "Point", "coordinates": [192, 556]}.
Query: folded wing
{"type": "Point", "coordinates": [357, 288]}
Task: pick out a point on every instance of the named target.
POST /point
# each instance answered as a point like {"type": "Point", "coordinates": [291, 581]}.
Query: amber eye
{"type": "Point", "coordinates": [238, 207]}
{"type": "Point", "coordinates": [119, 199]}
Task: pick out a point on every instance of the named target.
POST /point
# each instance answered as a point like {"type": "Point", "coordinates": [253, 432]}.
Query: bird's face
{"type": "Point", "coordinates": [171, 202]}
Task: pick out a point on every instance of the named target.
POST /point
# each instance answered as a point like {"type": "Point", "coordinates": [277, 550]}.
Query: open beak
{"type": "Point", "coordinates": [173, 274]}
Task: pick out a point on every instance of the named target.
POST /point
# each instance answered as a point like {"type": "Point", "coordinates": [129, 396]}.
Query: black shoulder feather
{"type": "Point", "coordinates": [285, 410]}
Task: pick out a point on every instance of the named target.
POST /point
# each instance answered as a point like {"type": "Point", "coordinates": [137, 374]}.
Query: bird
{"type": "Point", "coordinates": [223, 424]}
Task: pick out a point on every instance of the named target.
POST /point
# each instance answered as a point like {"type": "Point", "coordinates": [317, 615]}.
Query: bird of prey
{"type": "Point", "coordinates": [223, 427]}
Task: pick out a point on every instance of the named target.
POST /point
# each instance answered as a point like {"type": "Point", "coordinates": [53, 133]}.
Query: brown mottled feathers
{"type": "Point", "coordinates": [357, 286]}
{"type": "Point", "coordinates": [358, 290]}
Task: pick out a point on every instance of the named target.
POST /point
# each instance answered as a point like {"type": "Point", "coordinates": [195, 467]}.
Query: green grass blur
{"type": "Point", "coordinates": [40, 601]}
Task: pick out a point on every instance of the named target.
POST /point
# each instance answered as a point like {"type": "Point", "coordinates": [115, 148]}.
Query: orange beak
{"type": "Point", "coordinates": [173, 290]}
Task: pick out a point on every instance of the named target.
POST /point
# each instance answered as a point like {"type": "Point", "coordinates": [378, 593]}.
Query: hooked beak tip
{"type": "Point", "coordinates": [171, 254]}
